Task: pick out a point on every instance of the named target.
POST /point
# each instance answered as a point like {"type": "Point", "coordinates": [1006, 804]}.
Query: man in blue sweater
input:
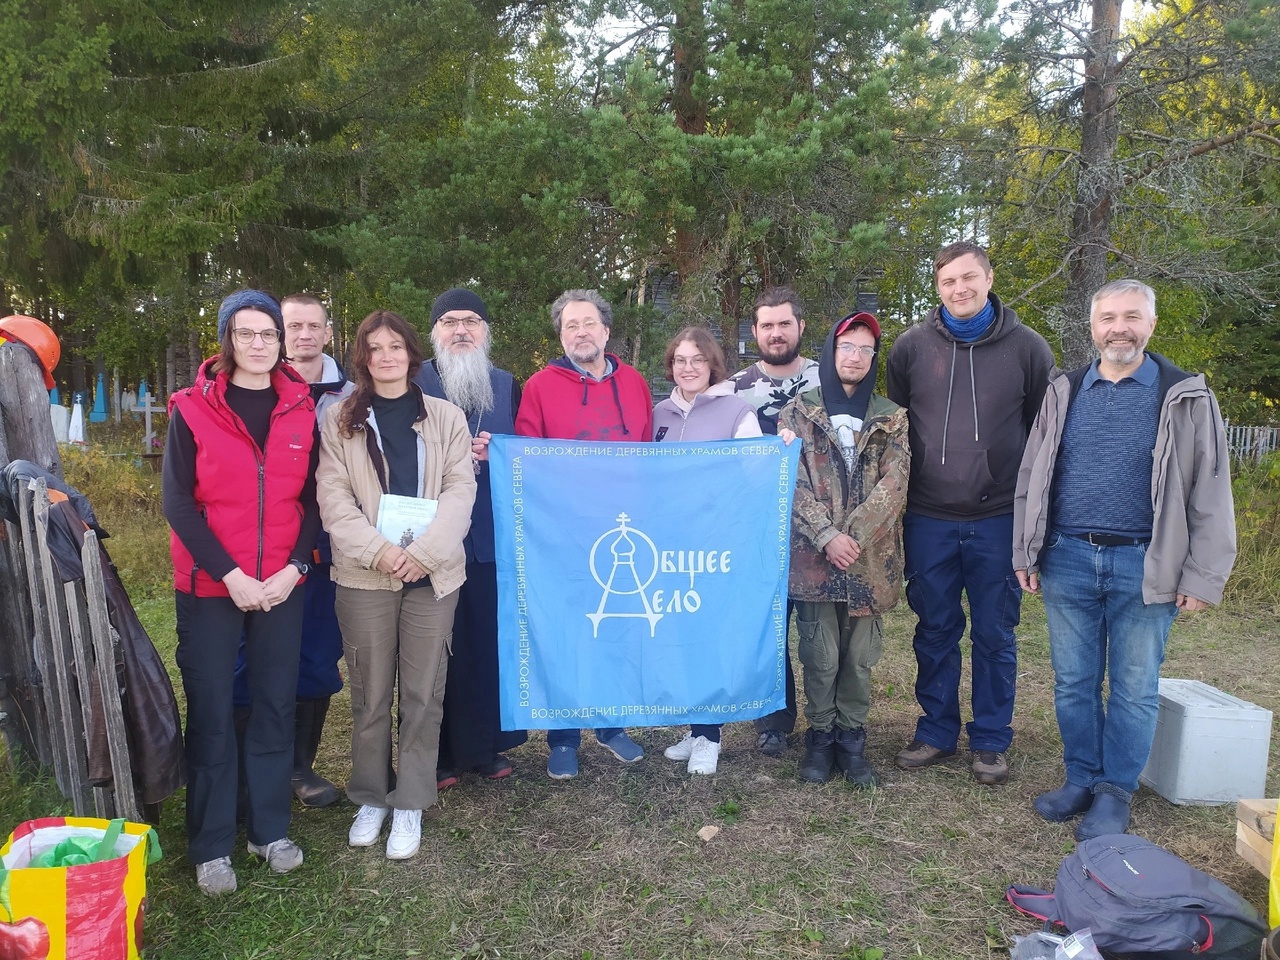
{"type": "Point", "coordinates": [1123, 516]}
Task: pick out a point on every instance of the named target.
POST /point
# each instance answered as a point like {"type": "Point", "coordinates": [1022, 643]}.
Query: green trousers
{"type": "Point", "coordinates": [837, 652]}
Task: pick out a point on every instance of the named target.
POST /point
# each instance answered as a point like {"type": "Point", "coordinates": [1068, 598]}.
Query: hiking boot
{"type": "Point", "coordinates": [1109, 814]}
{"type": "Point", "coordinates": [311, 789]}
{"type": "Point", "coordinates": [215, 877]}
{"type": "Point", "coordinates": [772, 743]}
{"type": "Point", "coordinates": [680, 751]}
{"type": "Point", "coordinates": [496, 769]}
{"type": "Point", "coordinates": [917, 755]}
{"type": "Point", "coordinates": [989, 767]}
{"type": "Point", "coordinates": [281, 855]}
{"type": "Point", "coordinates": [850, 759]}
{"type": "Point", "coordinates": [1066, 802]}
{"type": "Point", "coordinates": [562, 763]}
{"type": "Point", "coordinates": [623, 747]}
{"type": "Point", "coordinates": [406, 834]}
{"type": "Point", "coordinates": [446, 779]}
{"type": "Point", "coordinates": [819, 756]}
{"type": "Point", "coordinates": [704, 756]}
{"type": "Point", "coordinates": [367, 825]}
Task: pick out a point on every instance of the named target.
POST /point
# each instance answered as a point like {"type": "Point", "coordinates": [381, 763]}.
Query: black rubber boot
{"type": "Point", "coordinates": [311, 789]}
{"type": "Point", "coordinates": [1108, 815]}
{"type": "Point", "coordinates": [850, 747]}
{"type": "Point", "coordinates": [819, 756]}
{"type": "Point", "coordinates": [1064, 803]}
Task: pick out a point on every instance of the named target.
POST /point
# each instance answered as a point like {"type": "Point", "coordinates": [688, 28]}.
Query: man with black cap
{"type": "Point", "coordinates": [471, 736]}
{"type": "Point", "coordinates": [846, 562]}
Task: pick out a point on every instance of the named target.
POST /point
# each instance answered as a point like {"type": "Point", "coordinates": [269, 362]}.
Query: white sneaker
{"type": "Point", "coordinates": [406, 834]}
{"type": "Point", "coordinates": [681, 750]}
{"type": "Point", "coordinates": [367, 826]}
{"type": "Point", "coordinates": [281, 855]}
{"type": "Point", "coordinates": [215, 877]}
{"type": "Point", "coordinates": [704, 756]}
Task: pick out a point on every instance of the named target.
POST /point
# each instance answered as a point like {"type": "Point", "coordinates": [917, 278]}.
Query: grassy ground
{"type": "Point", "coordinates": [610, 864]}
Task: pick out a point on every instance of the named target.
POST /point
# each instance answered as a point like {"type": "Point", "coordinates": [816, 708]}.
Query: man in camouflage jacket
{"type": "Point", "coordinates": [846, 543]}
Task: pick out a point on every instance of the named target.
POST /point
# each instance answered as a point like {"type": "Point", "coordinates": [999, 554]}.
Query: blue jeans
{"type": "Point", "coordinates": [945, 558]}
{"type": "Point", "coordinates": [1098, 624]}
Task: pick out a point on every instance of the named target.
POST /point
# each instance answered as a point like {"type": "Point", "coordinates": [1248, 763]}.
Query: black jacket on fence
{"type": "Point", "coordinates": [152, 722]}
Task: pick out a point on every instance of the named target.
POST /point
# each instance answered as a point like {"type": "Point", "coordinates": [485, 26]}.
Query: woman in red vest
{"type": "Point", "coordinates": [390, 455]}
{"type": "Point", "coordinates": [239, 495]}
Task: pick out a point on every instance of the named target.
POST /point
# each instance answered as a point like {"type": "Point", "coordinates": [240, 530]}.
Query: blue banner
{"type": "Point", "coordinates": [641, 584]}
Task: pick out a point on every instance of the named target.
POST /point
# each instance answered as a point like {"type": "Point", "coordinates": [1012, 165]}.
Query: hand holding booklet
{"type": "Point", "coordinates": [403, 519]}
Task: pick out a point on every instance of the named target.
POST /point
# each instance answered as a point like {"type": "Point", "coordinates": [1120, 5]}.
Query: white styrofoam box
{"type": "Point", "coordinates": [1210, 747]}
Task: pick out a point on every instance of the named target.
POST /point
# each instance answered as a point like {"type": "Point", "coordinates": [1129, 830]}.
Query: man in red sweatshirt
{"type": "Point", "coordinates": [587, 394]}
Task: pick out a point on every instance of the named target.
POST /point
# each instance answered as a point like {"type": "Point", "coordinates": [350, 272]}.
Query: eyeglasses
{"type": "Point", "coordinates": [471, 323]}
{"type": "Point", "coordinates": [269, 336]}
{"type": "Point", "coordinates": [694, 362]}
{"type": "Point", "coordinates": [585, 326]}
{"type": "Point", "coordinates": [848, 348]}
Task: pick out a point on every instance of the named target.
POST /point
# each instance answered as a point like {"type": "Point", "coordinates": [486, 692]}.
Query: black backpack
{"type": "Point", "coordinates": [1140, 900]}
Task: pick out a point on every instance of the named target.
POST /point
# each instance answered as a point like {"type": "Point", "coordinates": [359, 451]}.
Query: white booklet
{"type": "Point", "coordinates": [403, 520]}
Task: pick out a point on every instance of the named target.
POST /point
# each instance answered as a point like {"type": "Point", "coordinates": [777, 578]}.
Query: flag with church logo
{"type": "Point", "coordinates": [641, 584]}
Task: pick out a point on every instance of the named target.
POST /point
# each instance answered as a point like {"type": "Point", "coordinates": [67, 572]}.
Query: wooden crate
{"type": "Point", "coordinates": [1255, 830]}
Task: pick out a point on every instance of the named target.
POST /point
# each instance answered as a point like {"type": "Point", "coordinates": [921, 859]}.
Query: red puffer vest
{"type": "Point", "coordinates": [258, 531]}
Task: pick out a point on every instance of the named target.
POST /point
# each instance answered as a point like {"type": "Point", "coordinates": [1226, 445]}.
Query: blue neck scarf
{"type": "Point", "coordinates": [967, 331]}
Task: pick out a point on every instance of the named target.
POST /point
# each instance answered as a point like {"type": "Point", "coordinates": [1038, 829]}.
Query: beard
{"type": "Point", "coordinates": [1122, 353]}
{"type": "Point", "coordinates": [779, 354]}
{"type": "Point", "coordinates": [465, 375]}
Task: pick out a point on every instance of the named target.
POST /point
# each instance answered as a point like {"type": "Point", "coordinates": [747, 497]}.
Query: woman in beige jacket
{"type": "Point", "coordinates": [396, 591]}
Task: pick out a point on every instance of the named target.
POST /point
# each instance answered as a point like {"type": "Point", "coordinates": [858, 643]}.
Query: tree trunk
{"type": "Point", "coordinates": [689, 54]}
{"type": "Point", "coordinates": [730, 316]}
{"type": "Point", "coordinates": [1097, 183]}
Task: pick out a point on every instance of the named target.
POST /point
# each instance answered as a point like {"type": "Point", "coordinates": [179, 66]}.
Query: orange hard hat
{"type": "Point", "coordinates": [37, 335]}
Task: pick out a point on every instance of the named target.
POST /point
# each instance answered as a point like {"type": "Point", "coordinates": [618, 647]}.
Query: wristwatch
{"type": "Point", "coordinates": [302, 568]}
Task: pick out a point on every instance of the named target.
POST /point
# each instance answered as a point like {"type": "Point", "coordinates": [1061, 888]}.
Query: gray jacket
{"type": "Point", "coordinates": [1193, 537]}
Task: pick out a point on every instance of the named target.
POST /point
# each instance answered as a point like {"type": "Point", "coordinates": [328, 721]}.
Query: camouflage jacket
{"type": "Point", "coordinates": [867, 506]}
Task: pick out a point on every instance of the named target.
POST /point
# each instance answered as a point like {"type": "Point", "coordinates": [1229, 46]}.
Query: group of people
{"type": "Point", "coordinates": [984, 473]}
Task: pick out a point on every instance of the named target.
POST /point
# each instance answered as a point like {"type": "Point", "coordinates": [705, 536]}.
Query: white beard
{"type": "Point", "coordinates": [465, 376]}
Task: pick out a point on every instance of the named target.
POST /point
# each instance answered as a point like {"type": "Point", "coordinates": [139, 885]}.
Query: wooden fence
{"type": "Point", "coordinates": [74, 648]}
{"type": "Point", "coordinates": [50, 630]}
{"type": "Point", "coordinates": [1251, 444]}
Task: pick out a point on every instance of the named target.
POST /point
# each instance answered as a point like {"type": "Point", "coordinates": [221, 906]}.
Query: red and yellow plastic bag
{"type": "Point", "coordinates": [92, 911]}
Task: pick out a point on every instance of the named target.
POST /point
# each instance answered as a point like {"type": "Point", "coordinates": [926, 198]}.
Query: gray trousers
{"type": "Point", "coordinates": [387, 636]}
{"type": "Point", "coordinates": [837, 652]}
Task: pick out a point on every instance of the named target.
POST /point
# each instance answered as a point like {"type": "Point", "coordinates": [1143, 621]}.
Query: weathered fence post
{"type": "Point", "coordinates": [26, 433]}
{"type": "Point", "coordinates": [104, 655]}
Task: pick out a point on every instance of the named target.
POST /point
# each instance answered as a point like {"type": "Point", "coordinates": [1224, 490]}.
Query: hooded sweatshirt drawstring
{"type": "Point", "coordinates": [951, 381]}
{"type": "Point", "coordinates": [617, 402]}
{"type": "Point", "coordinates": [973, 392]}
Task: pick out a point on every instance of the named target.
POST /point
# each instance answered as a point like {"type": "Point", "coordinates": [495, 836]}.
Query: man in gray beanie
{"type": "Point", "coordinates": [471, 737]}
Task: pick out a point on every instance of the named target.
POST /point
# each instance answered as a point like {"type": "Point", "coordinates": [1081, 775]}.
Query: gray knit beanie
{"type": "Point", "coordinates": [249, 300]}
